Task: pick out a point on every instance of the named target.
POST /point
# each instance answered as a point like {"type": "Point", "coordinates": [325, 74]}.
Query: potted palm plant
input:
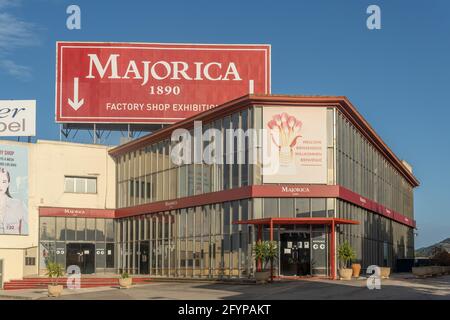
{"type": "Point", "coordinates": [345, 254]}
{"type": "Point", "coordinates": [125, 281]}
{"type": "Point", "coordinates": [54, 272]}
{"type": "Point", "coordinates": [264, 251]}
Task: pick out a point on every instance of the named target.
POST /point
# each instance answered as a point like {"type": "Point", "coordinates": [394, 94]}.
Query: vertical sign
{"type": "Point", "coordinates": [13, 190]}
{"type": "Point", "coordinates": [296, 144]}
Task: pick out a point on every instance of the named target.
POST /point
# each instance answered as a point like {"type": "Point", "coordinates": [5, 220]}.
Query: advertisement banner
{"type": "Point", "coordinates": [17, 118]}
{"type": "Point", "coordinates": [153, 83]}
{"type": "Point", "coordinates": [296, 145]}
{"type": "Point", "coordinates": [13, 190]}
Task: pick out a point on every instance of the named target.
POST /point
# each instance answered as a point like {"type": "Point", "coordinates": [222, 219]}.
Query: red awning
{"type": "Point", "coordinates": [278, 221]}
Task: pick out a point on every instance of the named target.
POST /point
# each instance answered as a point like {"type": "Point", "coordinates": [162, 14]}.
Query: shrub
{"type": "Point", "coordinates": [54, 271]}
{"type": "Point", "coordinates": [346, 254]}
{"type": "Point", "coordinates": [265, 251]}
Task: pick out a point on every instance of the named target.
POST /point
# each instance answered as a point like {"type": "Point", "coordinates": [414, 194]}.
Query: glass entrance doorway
{"type": "Point", "coordinates": [295, 257]}
{"type": "Point", "coordinates": [143, 256]}
{"type": "Point", "coordinates": [81, 255]}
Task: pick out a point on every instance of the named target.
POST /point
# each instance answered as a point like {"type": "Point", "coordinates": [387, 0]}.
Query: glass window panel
{"type": "Point", "coordinates": [330, 207]}
{"type": "Point", "coordinates": [109, 225]}
{"type": "Point", "coordinates": [286, 208]}
{"type": "Point", "coordinates": [235, 217]}
{"type": "Point", "coordinates": [81, 229]}
{"type": "Point", "coordinates": [80, 185]}
{"type": "Point", "coordinates": [70, 229]}
{"type": "Point", "coordinates": [190, 222]}
{"type": "Point", "coordinates": [318, 207]}
{"type": "Point", "coordinates": [270, 207]}
{"type": "Point", "coordinates": [100, 229]}
{"type": "Point", "coordinates": [47, 226]}
{"type": "Point", "coordinates": [226, 217]}
{"type": "Point", "coordinates": [60, 228]}
{"type": "Point", "coordinates": [182, 217]}
{"type": "Point", "coordinates": [69, 184]}
{"type": "Point", "coordinates": [90, 229]}
{"type": "Point", "coordinates": [302, 208]}
{"type": "Point", "coordinates": [92, 185]}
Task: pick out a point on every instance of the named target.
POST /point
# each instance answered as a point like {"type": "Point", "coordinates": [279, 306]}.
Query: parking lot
{"type": "Point", "coordinates": [395, 288]}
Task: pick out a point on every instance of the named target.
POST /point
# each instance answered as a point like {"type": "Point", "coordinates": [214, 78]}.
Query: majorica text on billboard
{"type": "Point", "coordinates": [154, 83]}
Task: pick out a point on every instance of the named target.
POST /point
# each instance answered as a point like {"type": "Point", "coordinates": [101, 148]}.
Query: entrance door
{"type": "Point", "coordinates": [144, 266]}
{"type": "Point", "coordinates": [81, 255]}
{"type": "Point", "coordinates": [295, 259]}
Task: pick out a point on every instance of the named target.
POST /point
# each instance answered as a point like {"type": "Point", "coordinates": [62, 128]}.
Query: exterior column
{"type": "Point", "coordinates": [258, 263]}
{"type": "Point", "coordinates": [271, 239]}
{"type": "Point", "coordinates": [332, 255]}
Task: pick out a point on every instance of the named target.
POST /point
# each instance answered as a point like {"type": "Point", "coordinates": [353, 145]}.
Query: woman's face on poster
{"type": "Point", "coordinates": [4, 183]}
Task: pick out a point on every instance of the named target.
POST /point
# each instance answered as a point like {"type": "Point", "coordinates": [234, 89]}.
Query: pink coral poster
{"type": "Point", "coordinates": [296, 145]}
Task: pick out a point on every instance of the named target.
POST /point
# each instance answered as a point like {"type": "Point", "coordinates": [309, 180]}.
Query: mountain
{"type": "Point", "coordinates": [428, 251]}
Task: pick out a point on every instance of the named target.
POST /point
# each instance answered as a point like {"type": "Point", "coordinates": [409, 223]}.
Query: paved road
{"type": "Point", "coordinates": [432, 288]}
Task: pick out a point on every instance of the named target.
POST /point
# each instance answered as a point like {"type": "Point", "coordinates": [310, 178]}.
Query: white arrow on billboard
{"type": "Point", "coordinates": [75, 103]}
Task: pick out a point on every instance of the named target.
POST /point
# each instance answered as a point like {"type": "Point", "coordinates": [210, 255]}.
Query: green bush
{"type": "Point", "coordinates": [54, 271]}
{"type": "Point", "coordinates": [346, 254]}
{"type": "Point", "coordinates": [124, 275]}
{"type": "Point", "coordinates": [265, 251]}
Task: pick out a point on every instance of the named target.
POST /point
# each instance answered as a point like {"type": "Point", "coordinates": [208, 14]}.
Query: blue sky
{"type": "Point", "coordinates": [397, 76]}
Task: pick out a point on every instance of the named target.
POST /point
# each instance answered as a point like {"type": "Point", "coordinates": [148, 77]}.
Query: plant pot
{"type": "Point", "coordinates": [429, 271]}
{"type": "Point", "coordinates": [54, 290]}
{"type": "Point", "coordinates": [262, 276]}
{"type": "Point", "coordinates": [420, 271]}
{"type": "Point", "coordinates": [385, 272]}
{"type": "Point", "coordinates": [356, 267]}
{"type": "Point", "coordinates": [435, 270]}
{"type": "Point", "coordinates": [125, 283]}
{"type": "Point", "coordinates": [345, 273]}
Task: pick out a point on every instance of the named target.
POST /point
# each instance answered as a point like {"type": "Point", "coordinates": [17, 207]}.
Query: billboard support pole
{"type": "Point", "coordinates": [95, 133]}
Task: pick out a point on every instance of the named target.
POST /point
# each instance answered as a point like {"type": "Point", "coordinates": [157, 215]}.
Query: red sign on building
{"type": "Point", "coordinates": [153, 83]}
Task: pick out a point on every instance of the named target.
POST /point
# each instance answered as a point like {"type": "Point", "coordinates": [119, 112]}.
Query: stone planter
{"type": "Point", "coordinates": [262, 276]}
{"type": "Point", "coordinates": [125, 282]}
{"type": "Point", "coordinates": [443, 270]}
{"type": "Point", "coordinates": [420, 271]}
{"type": "Point", "coordinates": [54, 291]}
{"type": "Point", "coordinates": [435, 270]}
{"type": "Point", "coordinates": [385, 272]}
{"type": "Point", "coordinates": [345, 274]}
{"type": "Point", "coordinates": [428, 271]}
{"type": "Point", "coordinates": [356, 267]}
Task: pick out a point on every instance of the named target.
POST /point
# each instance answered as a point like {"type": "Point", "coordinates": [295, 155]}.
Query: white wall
{"type": "Point", "coordinates": [48, 163]}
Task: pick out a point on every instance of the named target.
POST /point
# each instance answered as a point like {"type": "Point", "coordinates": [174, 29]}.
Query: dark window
{"type": "Point", "coordinates": [30, 261]}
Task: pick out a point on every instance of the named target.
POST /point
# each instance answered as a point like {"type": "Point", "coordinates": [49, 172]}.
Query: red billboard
{"type": "Point", "coordinates": [153, 83]}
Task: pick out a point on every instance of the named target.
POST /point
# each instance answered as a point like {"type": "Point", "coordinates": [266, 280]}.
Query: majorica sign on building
{"type": "Point", "coordinates": [17, 118]}
{"type": "Point", "coordinates": [154, 83]}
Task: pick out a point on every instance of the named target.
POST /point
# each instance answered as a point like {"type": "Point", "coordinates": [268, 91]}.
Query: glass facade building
{"type": "Point", "coordinates": [202, 219]}
{"type": "Point", "coordinates": [180, 220]}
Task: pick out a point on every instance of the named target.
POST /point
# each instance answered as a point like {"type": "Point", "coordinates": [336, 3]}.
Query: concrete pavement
{"type": "Point", "coordinates": [404, 288]}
